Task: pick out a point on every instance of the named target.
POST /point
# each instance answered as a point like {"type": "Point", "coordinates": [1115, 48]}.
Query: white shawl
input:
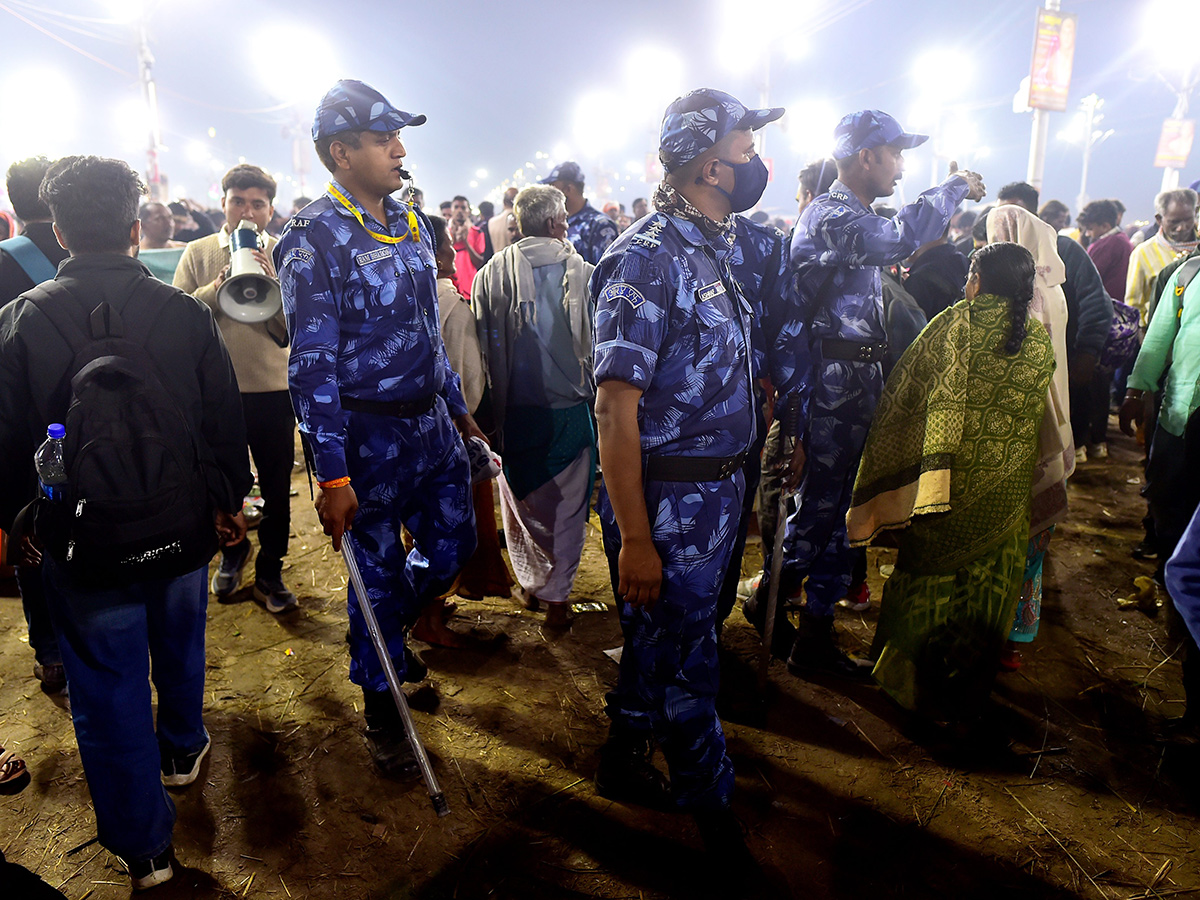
{"type": "Point", "coordinates": [1056, 455]}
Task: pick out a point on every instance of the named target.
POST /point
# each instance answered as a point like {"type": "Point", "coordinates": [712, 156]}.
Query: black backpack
{"type": "Point", "coordinates": [136, 503]}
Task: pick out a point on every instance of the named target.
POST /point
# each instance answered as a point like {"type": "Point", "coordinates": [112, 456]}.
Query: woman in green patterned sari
{"type": "Point", "coordinates": [950, 459]}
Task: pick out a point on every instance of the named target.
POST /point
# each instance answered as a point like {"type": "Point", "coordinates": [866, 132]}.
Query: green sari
{"type": "Point", "coordinates": [950, 459]}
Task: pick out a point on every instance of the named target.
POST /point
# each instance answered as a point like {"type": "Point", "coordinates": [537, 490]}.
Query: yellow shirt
{"type": "Point", "coordinates": [1148, 259]}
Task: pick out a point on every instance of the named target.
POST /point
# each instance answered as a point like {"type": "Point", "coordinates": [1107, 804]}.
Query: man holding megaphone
{"type": "Point", "coordinates": [231, 271]}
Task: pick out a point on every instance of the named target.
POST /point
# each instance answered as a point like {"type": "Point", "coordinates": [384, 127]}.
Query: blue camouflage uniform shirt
{"type": "Point", "coordinates": [833, 278]}
{"type": "Point", "coordinates": [758, 261]}
{"type": "Point", "coordinates": [671, 321]}
{"type": "Point", "coordinates": [363, 319]}
{"type": "Point", "coordinates": [591, 231]}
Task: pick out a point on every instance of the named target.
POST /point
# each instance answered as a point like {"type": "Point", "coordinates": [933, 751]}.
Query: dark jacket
{"type": "Point", "coordinates": [937, 278]}
{"type": "Point", "coordinates": [1089, 308]}
{"type": "Point", "coordinates": [13, 280]}
{"type": "Point", "coordinates": [185, 345]}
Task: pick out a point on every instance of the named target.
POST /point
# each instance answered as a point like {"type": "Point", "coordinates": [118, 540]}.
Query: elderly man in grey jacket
{"type": "Point", "coordinates": [534, 315]}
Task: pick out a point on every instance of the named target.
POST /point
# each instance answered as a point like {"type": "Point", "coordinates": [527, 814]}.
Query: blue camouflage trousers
{"type": "Point", "coordinates": [669, 672]}
{"type": "Point", "coordinates": [816, 547]}
{"type": "Point", "coordinates": [410, 473]}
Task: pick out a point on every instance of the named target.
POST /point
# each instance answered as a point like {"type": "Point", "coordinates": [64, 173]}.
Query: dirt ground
{"type": "Point", "coordinates": [1079, 799]}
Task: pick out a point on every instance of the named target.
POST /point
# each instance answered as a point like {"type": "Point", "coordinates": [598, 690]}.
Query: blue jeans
{"type": "Point", "coordinates": [104, 636]}
{"type": "Point", "coordinates": [37, 616]}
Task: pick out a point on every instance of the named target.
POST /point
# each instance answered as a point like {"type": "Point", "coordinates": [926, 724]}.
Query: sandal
{"type": "Point", "coordinates": [13, 774]}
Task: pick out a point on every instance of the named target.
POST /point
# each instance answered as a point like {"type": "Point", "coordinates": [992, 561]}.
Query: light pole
{"type": "Point", "coordinates": [1085, 131]}
{"type": "Point", "coordinates": [1170, 179]}
{"type": "Point", "coordinates": [1041, 133]}
{"type": "Point", "coordinates": [1178, 59]}
{"type": "Point", "coordinates": [157, 184]}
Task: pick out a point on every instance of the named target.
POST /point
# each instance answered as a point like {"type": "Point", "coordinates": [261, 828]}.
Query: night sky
{"type": "Point", "coordinates": [505, 84]}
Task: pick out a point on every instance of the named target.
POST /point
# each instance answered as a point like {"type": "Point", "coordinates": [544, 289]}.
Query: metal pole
{"type": "Point", "coordinates": [1040, 135]}
{"type": "Point", "coordinates": [150, 96]}
{"type": "Point", "coordinates": [436, 796]}
{"type": "Point", "coordinates": [1170, 179]}
{"type": "Point", "coordinates": [1090, 104]}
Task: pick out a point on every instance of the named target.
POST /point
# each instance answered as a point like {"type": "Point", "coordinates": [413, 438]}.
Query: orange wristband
{"type": "Point", "coordinates": [335, 483]}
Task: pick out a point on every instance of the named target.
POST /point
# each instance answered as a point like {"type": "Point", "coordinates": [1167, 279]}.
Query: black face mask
{"type": "Point", "coordinates": [749, 182]}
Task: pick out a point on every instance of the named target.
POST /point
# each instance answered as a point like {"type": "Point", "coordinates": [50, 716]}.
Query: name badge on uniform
{"type": "Point", "coordinates": [709, 291]}
{"type": "Point", "coordinates": [364, 259]}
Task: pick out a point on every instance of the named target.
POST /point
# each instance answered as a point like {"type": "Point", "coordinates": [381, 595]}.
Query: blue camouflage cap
{"type": "Point", "coordinates": [699, 119]}
{"type": "Point", "coordinates": [353, 106]}
{"type": "Point", "coordinates": [568, 171]}
{"type": "Point", "coordinates": [869, 128]}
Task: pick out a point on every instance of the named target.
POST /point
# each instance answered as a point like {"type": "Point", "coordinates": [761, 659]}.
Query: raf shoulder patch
{"type": "Point", "coordinates": [709, 291]}
{"type": "Point", "coordinates": [299, 222]}
{"type": "Point", "coordinates": [622, 291]}
{"type": "Point", "coordinates": [373, 256]}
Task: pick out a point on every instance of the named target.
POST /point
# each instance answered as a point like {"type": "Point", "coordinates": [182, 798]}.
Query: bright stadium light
{"type": "Point", "coordinates": [131, 123]}
{"type": "Point", "coordinates": [1164, 18]}
{"type": "Point", "coordinates": [809, 124]}
{"type": "Point", "coordinates": [598, 122]}
{"type": "Point", "coordinates": [302, 85]}
{"type": "Point", "coordinates": [45, 103]}
{"type": "Point", "coordinates": [750, 28]}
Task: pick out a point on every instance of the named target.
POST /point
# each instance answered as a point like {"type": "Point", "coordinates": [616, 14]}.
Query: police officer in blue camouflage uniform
{"type": "Point", "coordinates": [834, 283]}
{"type": "Point", "coordinates": [590, 230]}
{"type": "Point", "coordinates": [380, 408]}
{"type": "Point", "coordinates": [758, 262]}
{"type": "Point", "coordinates": [674, 364]}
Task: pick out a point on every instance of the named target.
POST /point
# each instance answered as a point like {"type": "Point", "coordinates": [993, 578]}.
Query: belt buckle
{"type": "Point", "coordinates": [730, 466]}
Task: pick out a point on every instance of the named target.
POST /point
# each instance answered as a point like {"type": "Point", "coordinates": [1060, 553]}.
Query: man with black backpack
{"type": "Point", "coordinates": [156, 465]}
{"type": "Point", "coordinates": [25, 260]}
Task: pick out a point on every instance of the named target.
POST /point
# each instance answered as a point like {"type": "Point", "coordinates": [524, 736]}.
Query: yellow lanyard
{"type": "Point", "coordinates": [413, 229]}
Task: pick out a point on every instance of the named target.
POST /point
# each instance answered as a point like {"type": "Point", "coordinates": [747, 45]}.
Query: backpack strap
{"type": "Point", "coordinates": [142, 310]}
{"type": "Point", "coordinates": [51, 298]}
{"type": "Point", "coordinates": [33, 262]}
{"type": "Point", "coordinates": [1187, 272]}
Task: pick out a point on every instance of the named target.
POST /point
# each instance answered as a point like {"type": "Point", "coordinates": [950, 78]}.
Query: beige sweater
{"type": "Point", "coordinates": [462, 342]}
{"type": "Point", "coordinates": [259, 362]}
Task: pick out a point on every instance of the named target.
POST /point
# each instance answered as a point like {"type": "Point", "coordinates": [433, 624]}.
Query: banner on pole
{"type": "Point", "coordinates": [1053, 56]}
{"type": "Point", "coordinates": [1175, 143]}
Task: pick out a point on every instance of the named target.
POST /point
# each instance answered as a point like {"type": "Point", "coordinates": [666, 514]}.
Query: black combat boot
{"type": "Point", "coordinates": [816, 652]}
{"type": "Point", "coordinates": [755, 611]}
{"type": "Point", "coordinates": [387, 740]}
{"type": "Point", "coordinates": [734, 870]}
{"type": "Point", "coordinates": [626, 773]}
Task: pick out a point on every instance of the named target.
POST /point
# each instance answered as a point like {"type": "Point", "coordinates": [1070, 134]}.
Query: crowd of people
{"type": "Point", "coordinates": [940, 369]}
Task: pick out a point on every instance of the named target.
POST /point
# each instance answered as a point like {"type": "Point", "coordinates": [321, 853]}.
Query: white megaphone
{"type": "Point", "coordinates": [248, 294]}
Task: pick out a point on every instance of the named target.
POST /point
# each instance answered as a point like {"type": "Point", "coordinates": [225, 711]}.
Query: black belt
{"type": "Point", "coordinates": [693, 468]}
{"type": "Point", "coordinates": [400, 409]}
{"type": "Point", "coordinates": [836, 348]}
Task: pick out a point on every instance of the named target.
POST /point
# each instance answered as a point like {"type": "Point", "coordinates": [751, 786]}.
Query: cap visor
{"type": "Point", "coordinates": [757, 118]}
{"type": "Point", "coordinates": [908, 141]}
